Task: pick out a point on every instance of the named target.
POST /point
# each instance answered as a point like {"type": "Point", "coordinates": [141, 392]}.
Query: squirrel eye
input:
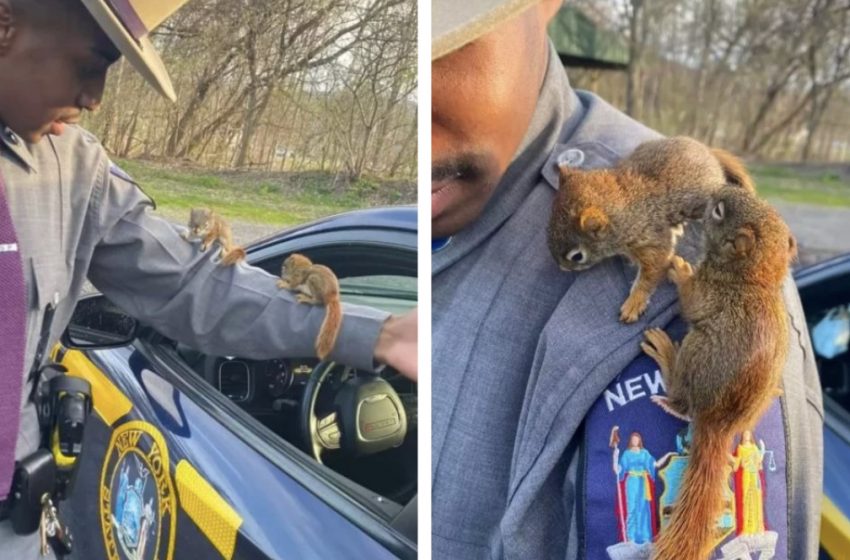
{"type": "Point", "coordinates": [718, 211]}
{"type": "Point", "coordinates": [576, 256]}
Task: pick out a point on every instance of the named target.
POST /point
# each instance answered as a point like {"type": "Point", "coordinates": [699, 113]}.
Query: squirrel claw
{"type": "Point", "coordinates": [680, 270]}
{"type": "Point", "coordinates": [632, 308]}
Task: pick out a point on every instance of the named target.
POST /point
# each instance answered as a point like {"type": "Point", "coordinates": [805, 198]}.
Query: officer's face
{"type": "Point", "coordinates": [54, 67]}
{"type": "Point", "coordinates": [483, 96]}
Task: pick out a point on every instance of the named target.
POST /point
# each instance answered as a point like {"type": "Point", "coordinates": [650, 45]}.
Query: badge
{"type": "Point", "coordinates": [636, 454]}
{"type": "Point", "coordinates": [137, 499]}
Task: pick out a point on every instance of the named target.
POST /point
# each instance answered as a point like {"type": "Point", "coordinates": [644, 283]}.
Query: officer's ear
{"type": "Point", "coordinates": [8, 26]}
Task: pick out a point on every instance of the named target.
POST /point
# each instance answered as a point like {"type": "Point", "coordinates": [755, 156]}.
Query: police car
{"type": "Point", "coordinates": [825, 293]}
{"type": "Point", "coordinates": [195, 456]}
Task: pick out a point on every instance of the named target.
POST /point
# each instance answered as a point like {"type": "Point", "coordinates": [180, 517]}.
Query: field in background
{"type": "Point", "coordinates": [267, 199]}
{"type": "Point", "coordinates": [821, 185]}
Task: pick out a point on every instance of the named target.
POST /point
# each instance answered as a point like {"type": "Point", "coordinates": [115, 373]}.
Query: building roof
{"type": "Point", "coordinates": [581, 42]}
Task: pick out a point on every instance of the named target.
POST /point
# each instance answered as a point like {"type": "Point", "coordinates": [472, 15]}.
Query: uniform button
{"type": "Point", "coordinates": [10, 136]}
{"type": "Point", "coordinates": [571, 158]}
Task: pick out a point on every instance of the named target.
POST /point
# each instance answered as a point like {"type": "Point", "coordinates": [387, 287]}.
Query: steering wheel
{"type": "Point", "coordinates": [367, 416]}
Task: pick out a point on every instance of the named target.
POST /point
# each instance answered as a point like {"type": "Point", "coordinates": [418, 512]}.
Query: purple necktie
{"type": "Point", "coordinates": [13, 320]}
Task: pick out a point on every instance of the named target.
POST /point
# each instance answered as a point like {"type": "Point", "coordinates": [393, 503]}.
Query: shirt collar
{"type": "Point", "coordinates": [17, 146]}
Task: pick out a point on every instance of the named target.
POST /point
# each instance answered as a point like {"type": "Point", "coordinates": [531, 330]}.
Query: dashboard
{"type": "Point", "coordinates": [268, 384]}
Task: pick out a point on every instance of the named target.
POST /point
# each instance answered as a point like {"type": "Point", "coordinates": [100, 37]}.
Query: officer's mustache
{"type": "Point", "coordinates": [468, 167]}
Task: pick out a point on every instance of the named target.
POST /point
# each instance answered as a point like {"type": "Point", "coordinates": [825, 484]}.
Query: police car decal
{"type": "Point", "coordinates": [636, 452]}
{"type": "Point", "coordinates": [137, 499]}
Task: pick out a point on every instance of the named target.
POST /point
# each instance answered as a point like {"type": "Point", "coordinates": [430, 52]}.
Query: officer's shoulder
{"type": "Point", "coordinates": [611, 129]}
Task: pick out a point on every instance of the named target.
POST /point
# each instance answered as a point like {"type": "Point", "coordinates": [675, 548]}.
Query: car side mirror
{"type": "Point", "coordinates": [99, 323]}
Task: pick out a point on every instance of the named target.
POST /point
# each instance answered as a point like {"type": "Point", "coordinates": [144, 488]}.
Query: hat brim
{"type": "Point", "coordinates": [454, 24]}
{"type": "Point", "coordinates": [141, 54]}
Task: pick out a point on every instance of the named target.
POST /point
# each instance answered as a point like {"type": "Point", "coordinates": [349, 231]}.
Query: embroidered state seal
{"type": "Point", "coordinates": [137, 499]}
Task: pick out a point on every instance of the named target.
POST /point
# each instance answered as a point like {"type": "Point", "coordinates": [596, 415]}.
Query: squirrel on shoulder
{"type": "Point", "coordinates": [315, 284]}
{"type": "Point", "coordinates": [727, 370]}
{"type": "Point", "coordinates": [637, 209]}
{"type": "Point", "coordinates": [208, 226]}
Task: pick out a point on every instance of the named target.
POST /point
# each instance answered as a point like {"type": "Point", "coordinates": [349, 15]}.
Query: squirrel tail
{"type": "Point", "coordinates": [692, 532]}
{"type": "Point", "coordinates": [734, 169]}
{"type": "Point", "coordinates": [330, 328]}
{"type": "Point", "coordinates": [233, 256]}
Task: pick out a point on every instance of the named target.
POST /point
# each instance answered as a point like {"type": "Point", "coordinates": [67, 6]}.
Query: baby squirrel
{"type": "Point", "coordinates": [727, 370]}
{"type": "Point", "coordinates": [315, 284]}
{"type": "Point", "coordinates": [206, 225]}
{"type": "Point", "coordinates": [637, 209]}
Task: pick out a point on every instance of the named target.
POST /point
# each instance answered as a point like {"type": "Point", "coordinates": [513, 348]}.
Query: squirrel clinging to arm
{"type": "Point", "coordinates": [317, 285]}
{"type": "Point", "coordinates": [637, 209]}
{"type": "Point", "coordinates": [208, 226]}
{"type": "Point", "coordinates": [727, 370]}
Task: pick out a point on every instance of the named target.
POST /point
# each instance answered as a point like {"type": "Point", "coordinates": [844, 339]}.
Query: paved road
{"type": "Point", "coordinates": [822, 232]}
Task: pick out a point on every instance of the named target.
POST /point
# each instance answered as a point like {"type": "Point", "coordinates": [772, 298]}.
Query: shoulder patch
{"type": "Point", "coordinates": [635, 454]}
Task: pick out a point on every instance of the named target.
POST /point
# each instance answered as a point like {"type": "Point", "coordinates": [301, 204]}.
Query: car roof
{"type": "Point", "coordinates": [824, 269]}
{"type": "Point", "coordinates": [399, 218]}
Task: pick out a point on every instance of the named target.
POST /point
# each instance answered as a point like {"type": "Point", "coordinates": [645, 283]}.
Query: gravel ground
{"type": "Point", "coordinates": [822, 232]}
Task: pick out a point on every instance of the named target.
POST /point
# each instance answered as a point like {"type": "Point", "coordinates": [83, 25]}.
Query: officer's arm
{"type": "Point", "coordinates": [143, 265]}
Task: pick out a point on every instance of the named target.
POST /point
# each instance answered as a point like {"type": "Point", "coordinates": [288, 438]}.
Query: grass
{"type": "Point", "coordinates": [278, 199]}
{"type": "Point", "coordinates": [815, 184]}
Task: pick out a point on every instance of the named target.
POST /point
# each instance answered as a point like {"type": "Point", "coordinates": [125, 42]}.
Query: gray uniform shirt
{"type": "Point", "coordinates": [78, 216]}
{"type": "Point", "coordinates": [522, 350]}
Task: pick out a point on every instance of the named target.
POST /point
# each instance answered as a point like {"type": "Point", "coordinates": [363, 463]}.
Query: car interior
{"type": "Point", "coordinates": [827, 309]}
{"type": "Point", "coordinates": [277, 392]}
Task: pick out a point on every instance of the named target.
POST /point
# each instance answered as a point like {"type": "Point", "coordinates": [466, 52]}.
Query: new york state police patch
{"type": "Point", "coordinates": [635, 455]}
{"type": "Point", "coordinates": [137, 499]}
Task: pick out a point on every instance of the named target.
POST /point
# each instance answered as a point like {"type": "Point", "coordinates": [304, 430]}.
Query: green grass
{"type": "Point", "coordinates": [279, 199]}
{"type": "Point", "coordinates": [807, 185]}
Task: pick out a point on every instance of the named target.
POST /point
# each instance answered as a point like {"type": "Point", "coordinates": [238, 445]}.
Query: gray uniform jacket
{"type": "Point", "coordinates": [76, 215]}
{"type": "Point", "coordinates": [522, 350]}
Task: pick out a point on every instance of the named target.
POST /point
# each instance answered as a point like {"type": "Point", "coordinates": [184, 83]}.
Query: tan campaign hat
{"type": "Point", "coordinates": [455, 23]}
{"type": "Point", "coordinates": [128, 24]}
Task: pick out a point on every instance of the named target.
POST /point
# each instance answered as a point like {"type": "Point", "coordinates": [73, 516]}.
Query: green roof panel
{"type": "Point", "coordinates": [580, 42]}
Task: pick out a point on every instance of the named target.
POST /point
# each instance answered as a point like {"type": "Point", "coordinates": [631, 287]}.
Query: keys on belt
{"type": "Point", "coordinates": [52, 532]}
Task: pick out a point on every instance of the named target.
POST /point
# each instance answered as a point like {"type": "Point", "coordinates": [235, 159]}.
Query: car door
{"type": "Point", "coordinates": [174, 469]}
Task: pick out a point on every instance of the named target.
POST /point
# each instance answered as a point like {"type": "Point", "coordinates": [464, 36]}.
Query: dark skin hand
{"type": "Point", "coordinates": [482, 99]}
{"type": "Point", "coordinates": [53, 59]}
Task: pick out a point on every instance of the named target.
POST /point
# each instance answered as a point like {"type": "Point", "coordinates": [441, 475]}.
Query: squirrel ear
{"type": "Point", "coordinates": [745, 240]}
{"type": "Point", "coordinates": [593, 220]}
{"type": "Point", "coordinates": [792, 248]}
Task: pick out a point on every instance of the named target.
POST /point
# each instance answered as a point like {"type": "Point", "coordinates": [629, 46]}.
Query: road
{"type": "Point", "coordinates": [822, 232]}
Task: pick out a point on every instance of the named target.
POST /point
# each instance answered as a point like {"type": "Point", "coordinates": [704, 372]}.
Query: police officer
{"type": "Point", "coordinates": [532, 371]}
{"type": "Point", "coordinates": [67, 213]}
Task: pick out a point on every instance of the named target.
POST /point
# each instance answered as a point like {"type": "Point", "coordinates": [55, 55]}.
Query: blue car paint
{"type": "Point", "coordinates": [279, 516]}
{"type": "Point", "coordinates": [836, 484]}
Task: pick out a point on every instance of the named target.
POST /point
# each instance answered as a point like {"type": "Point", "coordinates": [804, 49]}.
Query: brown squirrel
{"type": "Point", "coordinates": [727, 370]}
{"type": "Point", "coordinates": [637, 209]}
{"type": "Point", "coordinates": [315, 284]}
{"type": "Point", "coordinates": [206, 225]}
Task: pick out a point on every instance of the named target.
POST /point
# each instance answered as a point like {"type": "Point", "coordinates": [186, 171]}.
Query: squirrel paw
{"type": "Point", "coordinates": [303, 298]}
{"type": "Point", "coordinates": [680, 270]}
{"type": "Point", "coordinates": [668, 407]}
{"type": "Point", "coordinates": [283, 284]}
{"type": "Point", "coordinates": [631, 309]}
{"type": "Point", "coordinates": [659, 347]}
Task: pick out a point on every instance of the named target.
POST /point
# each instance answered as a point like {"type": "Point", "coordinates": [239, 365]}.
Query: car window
{"type": "Point", "coordinates": [827, 308]}
{"type": "Point", "coordinates": [393, 294]}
